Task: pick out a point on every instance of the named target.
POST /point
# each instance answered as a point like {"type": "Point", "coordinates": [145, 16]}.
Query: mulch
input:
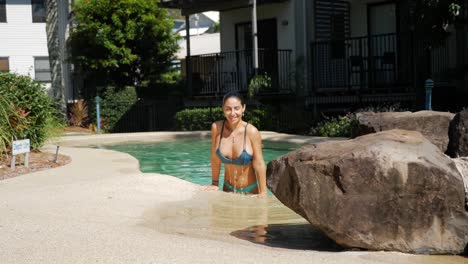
{"type": "Point", "coordinates": [37, 161]}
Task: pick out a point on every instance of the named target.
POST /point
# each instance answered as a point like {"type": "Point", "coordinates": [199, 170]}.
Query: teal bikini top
{"type": "Point", "coordinates": [244, 159]}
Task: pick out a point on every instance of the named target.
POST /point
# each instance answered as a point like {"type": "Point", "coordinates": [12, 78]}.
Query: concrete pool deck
{"type": "Point", "coordinates": [95, 210]}
{"type": "Point", "coordinates": [92, 140]}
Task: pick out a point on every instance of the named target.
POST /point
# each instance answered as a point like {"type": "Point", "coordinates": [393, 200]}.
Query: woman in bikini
{"type": "Point", "coordinates": [238, 145]}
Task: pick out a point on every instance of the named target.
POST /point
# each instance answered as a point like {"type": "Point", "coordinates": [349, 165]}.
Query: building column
{"type": "Point", "coordinates": [188, 59]}
{"type": "Point", "coordinates": [302, 61]}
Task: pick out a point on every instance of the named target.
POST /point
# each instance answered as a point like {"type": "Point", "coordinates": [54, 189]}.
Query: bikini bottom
{"type": "Point", "coordinates": [246, 189]}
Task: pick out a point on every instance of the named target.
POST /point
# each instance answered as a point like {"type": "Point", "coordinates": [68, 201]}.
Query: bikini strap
{"type": "Point", "coordinates": [221, 135]}
{"type": "Point", "coordinates": [245, 133]}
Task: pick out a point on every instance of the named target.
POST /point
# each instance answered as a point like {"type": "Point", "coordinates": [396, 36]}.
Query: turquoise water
{"type": "Point", "coordinates": [188, 160]}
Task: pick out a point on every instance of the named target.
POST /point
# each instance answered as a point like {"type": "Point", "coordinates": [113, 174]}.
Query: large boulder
{"type": "Point", "coordinates": [433, 125]}
{"type": "Point", "coordinates": [391, 190]}
{"type": "Point", "coordinates": [458, 135]}
{"type": "Point", "coordinates": [462, 166]}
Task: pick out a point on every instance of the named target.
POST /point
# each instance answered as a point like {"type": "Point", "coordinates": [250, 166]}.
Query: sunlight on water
{"type": "Point", "coordinates": [225, 215]}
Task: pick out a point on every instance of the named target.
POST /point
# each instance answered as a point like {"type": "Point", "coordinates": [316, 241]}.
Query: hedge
{"type": "Point", "coordinates": [202, 118]}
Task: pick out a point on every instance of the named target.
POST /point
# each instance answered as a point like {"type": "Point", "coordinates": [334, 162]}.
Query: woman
{"type": "Point", "coordinates": [238, 145]}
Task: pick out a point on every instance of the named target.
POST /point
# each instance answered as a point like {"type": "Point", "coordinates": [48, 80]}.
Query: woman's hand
{"type": "Point", "coordinates": [211, 188]}
{"type": "Point", "coordinates": [261, 195]}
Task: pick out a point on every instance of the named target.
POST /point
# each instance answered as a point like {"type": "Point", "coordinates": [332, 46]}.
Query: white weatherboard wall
{"type": "Point", "coordinates": [20, 39]}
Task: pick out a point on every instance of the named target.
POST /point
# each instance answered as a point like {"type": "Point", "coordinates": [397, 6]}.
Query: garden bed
{"type": "Point", "coordinates": [37, 161]}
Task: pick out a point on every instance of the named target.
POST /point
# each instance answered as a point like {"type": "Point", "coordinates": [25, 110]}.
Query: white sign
{"type": "Point", "coordinates": [20, 146]}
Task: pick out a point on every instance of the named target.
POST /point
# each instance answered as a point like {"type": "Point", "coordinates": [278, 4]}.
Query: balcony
{"type": "Point", "coordinates": [217, 73]}
{"type": "Point", "coordinates": [364, 64]}
{"type": "Point", "coordinates": [387, 63]}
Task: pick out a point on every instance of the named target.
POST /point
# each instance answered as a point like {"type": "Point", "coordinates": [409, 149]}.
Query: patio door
{"type": "Point", "coordinates": [267, 45]}
{"type": "Point", "coordinates": [382, 57]}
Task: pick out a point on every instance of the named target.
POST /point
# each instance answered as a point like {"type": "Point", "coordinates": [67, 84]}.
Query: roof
{"type": "Point", "coordinates": [201, 44]}
{"type": "Point", "coordinates": [193, 31]}
{"type": "Point", "coordinates": [213, 15]}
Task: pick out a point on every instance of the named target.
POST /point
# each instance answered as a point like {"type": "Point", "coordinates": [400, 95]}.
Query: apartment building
{"type": "Point", "coordinates": [23, 39]}
{"type": "Point", "coordinates": [23, 42]}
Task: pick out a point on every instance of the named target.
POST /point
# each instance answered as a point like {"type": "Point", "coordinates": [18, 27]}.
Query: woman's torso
{"type": "Point", "coordinates": [233, 144]}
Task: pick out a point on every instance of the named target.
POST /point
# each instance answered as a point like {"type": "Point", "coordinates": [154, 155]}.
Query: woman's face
{"type": "Point", "coordinates": [233, 110]}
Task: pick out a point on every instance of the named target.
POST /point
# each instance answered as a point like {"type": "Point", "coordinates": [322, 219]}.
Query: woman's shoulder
{"type": "Point", "coordinates": [217, 125]}
{"type": "Point", "coordinates": [251, 129]}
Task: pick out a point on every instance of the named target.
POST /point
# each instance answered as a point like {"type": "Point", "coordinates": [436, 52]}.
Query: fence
{"type": "Point", "coordinates": [141, 116]}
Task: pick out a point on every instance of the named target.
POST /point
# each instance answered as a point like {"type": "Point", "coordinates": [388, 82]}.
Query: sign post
{"type": "Point", "coordinates": [429, 85]}
{"type": "Point", "coordinates": [98, 115]}
{"type": "Point", "coordinates": [20, 147]}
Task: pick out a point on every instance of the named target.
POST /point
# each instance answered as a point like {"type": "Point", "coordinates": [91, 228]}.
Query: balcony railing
{"type": "Point", "coordinates": [362, 63]}
{"type": "Point", "coordinates": [387, 62]}
{"type": "Point", "coordinates": [218, 73]}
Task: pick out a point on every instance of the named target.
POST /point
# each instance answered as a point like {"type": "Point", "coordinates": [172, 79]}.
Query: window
{"type": "Point", "coordinates": [3, 11]}
{"type": "Point", "coordinates": [4, 64]}
{"type": "Point", "coordinates": [42, 69]}
{"type": "Point", "coordinates": [38, 11]}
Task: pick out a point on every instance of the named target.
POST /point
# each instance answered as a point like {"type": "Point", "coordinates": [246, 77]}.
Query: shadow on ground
{"type": "Point", "coordinates": [290, 236]}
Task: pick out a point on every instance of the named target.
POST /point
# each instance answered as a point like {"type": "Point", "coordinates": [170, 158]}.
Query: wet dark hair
{"type": "Point", "coordinates": [235, 95]}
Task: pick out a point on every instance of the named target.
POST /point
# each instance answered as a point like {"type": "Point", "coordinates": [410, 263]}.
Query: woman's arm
{"type": "Point", "coordinates": [215, 162]}
{"type": "Point", "coordinates": [258, 162]}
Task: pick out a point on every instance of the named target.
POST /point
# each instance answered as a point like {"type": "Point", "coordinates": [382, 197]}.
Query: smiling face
{"type": "Point", "coordinates": [233, 109]}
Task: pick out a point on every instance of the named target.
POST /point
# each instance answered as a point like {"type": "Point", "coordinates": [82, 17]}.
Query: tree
{"type": "Point", "coordinates": [55, 57]}
{"type": "Point", "coordinates": [122, 42]}
{"type": "Point", "coordinates": [432, 19]}
{"type": "Point", "coordinates": [215, 28]}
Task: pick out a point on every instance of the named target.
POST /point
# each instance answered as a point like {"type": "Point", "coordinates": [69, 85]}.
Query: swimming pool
{"type": "Point", "coordinates": [188, 159]}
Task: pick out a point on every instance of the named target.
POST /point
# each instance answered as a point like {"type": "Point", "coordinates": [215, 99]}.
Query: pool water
{"type": "Point", "coordinates": [188, 159]}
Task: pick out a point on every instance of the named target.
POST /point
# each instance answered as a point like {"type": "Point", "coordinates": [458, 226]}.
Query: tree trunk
{"type": "Point", "coordinates": [55, 55]}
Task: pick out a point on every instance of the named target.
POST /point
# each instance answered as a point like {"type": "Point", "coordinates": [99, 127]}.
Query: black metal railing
{"type": "Point", "coordinates": [218, 73]}
{"type": "Point", "coordinates": [372, 63]}
{"type": "Point", "coordinates": [362, 63]}
{"type": "Point", "coordinates": [443, 62]}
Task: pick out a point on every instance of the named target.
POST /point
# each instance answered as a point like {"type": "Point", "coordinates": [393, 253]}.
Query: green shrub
{"type": "Point", "coordinates": [340, 126]}
{"type": "Point", "coordinates": [202, 118]}
{"type": "Point", "coordinates": [259, 83]}
{"type": "Point", "coordinates": [197, 118]}
{"type": "Point", "coordinates": [7, 113]}
{"type": "Point", "coordinates": [114, 105]}
{"type": "Point", "coordinates": [26, 111]}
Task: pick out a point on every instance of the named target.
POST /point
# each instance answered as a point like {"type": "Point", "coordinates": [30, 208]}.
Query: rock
{"type": "Point", "coordinates": [433, 125]}
{"type": "Point", "coordinates": [458, 135]}
{"type": "Point", "coordinates": [391, 190]}
{"type": "Point", "coordinates": [462, 166]}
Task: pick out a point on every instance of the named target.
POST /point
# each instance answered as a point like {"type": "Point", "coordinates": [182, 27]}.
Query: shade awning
{"type": "Point", "coordinates": [189, 7]}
